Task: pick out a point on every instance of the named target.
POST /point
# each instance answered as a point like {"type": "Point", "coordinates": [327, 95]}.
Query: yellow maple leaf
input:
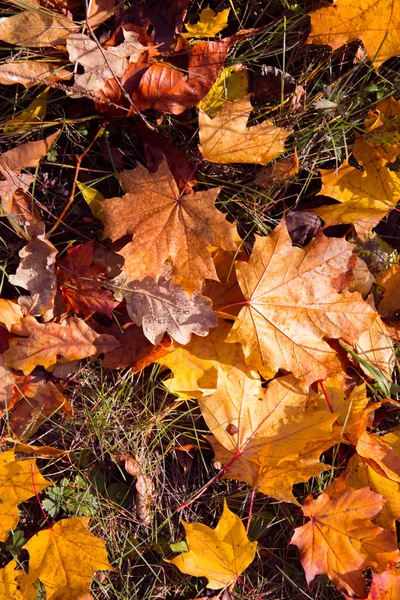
{"type": "Point", "coordinates": [266, 436]}
{"type": "Point", "coordinates": [220, 554]}
{"type": "Point", "coordinates": [366, 196]}
{"type": "Point", "coordinates": [383, 128]}
{"type": "Point", "coordinates": [65, 558]}
{"type": "Point", "coordinates": [227, 139]}
{"type": "Point", "coordinates": [209, 24]}
{"type": "Point", "coordinates": [375, 22]}
{"type": "Point", "coordinates": [10, 583]}
{"type": "Point", "coordinates": [232, 84]}
{"type": "Point", "coordinates": [19, 480]}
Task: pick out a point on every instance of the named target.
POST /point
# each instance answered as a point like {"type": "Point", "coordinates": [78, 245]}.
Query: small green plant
{"type": "Point", "coordinates": [73, 497]}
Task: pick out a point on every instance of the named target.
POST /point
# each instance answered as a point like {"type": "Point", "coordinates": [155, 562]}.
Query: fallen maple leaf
{"type": "Point", "coordinates": [292, 305]}
{"type": "Point", "coordinates": [227, 139]}
{"type": "Point", "coordinates": [36, 273]}
{"type": "Point", "coordinates": [16, 480]}
{"type": "Point", "coordinates": [101, 65]}
{"type": "Point", "coordinates": [31, 72]}
{"type": "Point", "coordinates": [383, 128]}
{"type": "Point", "coordinates": [166, 226]}
{"type": "Point", "coordinates": [361, 473]}
{"type": "Point", "coordinates": [266, 437]}
{"type": "Point", "coordinates": [20, 209]}
{"type": "Point", "coordinates": [231, 84]}
{"type": "Point", "coordinates": [36, 28]}
{"type": "Point", "coordinates": [376, 347]}
{"type": "Point", "coordinates": [340, 539]}
{"type": "Point", "coordinates": [10, 582]}
{"type": "Point", "coordinates": [366, 196]}
{"type": "Point", "coordinates": [220, 554]}
{"type": "Point", "coordinates": [194, 366]}
{"type": "Point", "coordinates": [48, 344]}
{"type": "Point", "coordinates": [65, 558]}
{"type": "Point", "coordinates": [375, 22]}
{"type": "Point", "coordinates": [209, 24]}
{"type": "Point", "coordinates": [80, 282]}
{"type": "Point", "coordinates": [166, 308]}
{"type": "Point", "coordinates": [386, 585]}
{"type": "Point", "coordinates": [226, 295]}
{"type": "Point", "coordinates": [390, 280]}
{"type": "Point", "coordinates": [383, 450]}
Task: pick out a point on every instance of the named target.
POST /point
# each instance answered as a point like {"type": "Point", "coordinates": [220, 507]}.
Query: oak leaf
{"type": "Point", "coordinates": [340, 539]}
{"type": "Point", "coordinates": [220, 554]}
{"type": "Point", "coordinates": [166, 226]}
{"type": "Point", "coordinates": [194, 366]}
{"type": "Point", "coordinates": [366, 196]}
{"type": "Point", "coordinates": [16, 482]}
{"type": "Point", "coordinates": [375, 22]}
{"type": "Point", "coordinates": [166, 308]}
{"type": "Point", "coordinates": [35, 29]}
{"type": "Point", "coordinates": [65, 558]}
{"type": "Point", "coordinates": [48, 344]}
{"type": "Point", "coordinates": [10, 313]}
{"type": "Point", "coordinates": [209, 24]}
{"type": "Point", "coordinates": [80, 282]}
{"type": "Point", "coordinates": [266, 438]}
{"type": "Point", "coordinates": [361, 473]}
{"type": "Point", "coordinates": [227, 139]}
{"type": "Point", "coordinates": [101, 65]}
{"type": "Point", "coordinates": [32, 72]}
{"type": "Point", "coordinates": [292, 305]}
{"type": "Point", "coordinates": [36, 273]}
{"type": "Point", "coordinates": [386, 585]}
{"type": "Point", "coordinates": [390, 280]}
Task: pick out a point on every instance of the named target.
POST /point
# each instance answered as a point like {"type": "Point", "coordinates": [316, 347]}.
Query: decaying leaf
{"type": "Point", "coordinates": [226, 139]}
{"type": "Point", "coordinates": [100, 11]}
{"type": "Point", "coordinates": [220, 554]}
{"type": "Point", "coordinates": [31, 72]}
{"type": "Point", "coordinates": [166, 226]}
{"type": "Point", "coordinates": [48, 344]}
{"type": "Point", "coordinates": [55, 554]}
{"type": "Point", "coordinates": [209, 24]}
{"type": "Point", "coordinates": [292, 305]}
{"type": "Point", "coordinates": [340, 539]}
{"type": "Point", "coordinates": [35, 28]}
{"type": "Point", "coordinates": [16, 487]}
{"type": "Point", "coordinates": [36, 273]}
{"type": "Point", "coordinates": [80, 282]}
{"type": "Point", "coordinates": [266, 437]}
{"type": "Point", "coordinates": [145, 488]}
{"type": "Point", "coordinates": [366, 196]}
{"type": "Point", "coordinates": [166, 308]}
{"type": "Point", "coordinates": [97, 63]}
{"type": "Point", "coordinates": [10, 313]}
{"type": "Point", "coordinates": [374, 22]}
{"type": "Point", "coordinates": [194, 365]}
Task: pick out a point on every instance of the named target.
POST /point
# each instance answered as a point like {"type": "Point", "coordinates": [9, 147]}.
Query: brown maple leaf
{"type": "Point", "coordinates": [292, 305]}
{"type": "Point", "coordinates": [166, 226]}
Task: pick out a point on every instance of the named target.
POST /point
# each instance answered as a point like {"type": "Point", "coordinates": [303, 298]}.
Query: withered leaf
{"type": "Point", "coordinates": [36, 273]}
{"type": "Point", "coordinates": [34, 28]}
{"type": "Point", "coordinates": [166, 226]}
{"type": "Point", "coordinates": [47, 344]}
{"type": "Point", "coordinates": [26, 72]}
{"type": "Point", "coordinates": [167, 308]}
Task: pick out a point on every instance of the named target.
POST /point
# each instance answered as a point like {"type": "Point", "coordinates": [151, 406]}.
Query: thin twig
{"type": "Point", "coordinates": [77, 169]}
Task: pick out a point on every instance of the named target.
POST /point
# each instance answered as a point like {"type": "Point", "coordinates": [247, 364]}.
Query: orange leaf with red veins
{"type": "Point", "coordinates": [48, 344]}
{"type": "Point", "coordinates": [166, 226]}
{"type": "Point", "coordinates": [366, 196]}
{"type": "Point", "coordinates": [375, 22]}
{"type": "Point", "coordinates": [340, 539]}
{"type": "Point", "coordinates": [266, 437]}
{"type": "Point", "coordinates": [80, 282]}
{"type": "Point", "coordinates": [292, 306]}
{"type": "Point", "coordinates": [390, 280]}
{"type": "Point", "coordinates": [386, 585]}
{"type": "Point", "coordinates": [36, 273]}
{"type": "Point", "coordinates": [361, 473]}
